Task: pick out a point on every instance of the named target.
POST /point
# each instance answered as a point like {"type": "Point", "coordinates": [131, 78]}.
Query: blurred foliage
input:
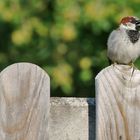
{"type": "Point", "coordinates": [66, 38]}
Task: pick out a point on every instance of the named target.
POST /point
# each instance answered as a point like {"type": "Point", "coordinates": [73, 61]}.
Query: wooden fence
{"type": "Point", "coordinates": [25, 107]}
{"type": "Point", "coordinates": [24, 103]}
{"type": "Point", "coordinates": [72, 119]}
{"type": "Point", "coordinates": [118, 103]}
{"type": "Point", "coordinates": [28, 113]}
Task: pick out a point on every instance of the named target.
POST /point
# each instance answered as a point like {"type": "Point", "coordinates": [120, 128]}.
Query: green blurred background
{"type": "Point", "coordinates": [67, 38]}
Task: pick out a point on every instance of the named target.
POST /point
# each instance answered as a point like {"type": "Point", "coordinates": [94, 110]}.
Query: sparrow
{"type": "Point", "coordinates": [123, 45]}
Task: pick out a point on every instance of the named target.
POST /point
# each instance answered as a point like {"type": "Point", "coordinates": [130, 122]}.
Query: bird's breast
{"type": "Point", "coordinates": [121, 49]}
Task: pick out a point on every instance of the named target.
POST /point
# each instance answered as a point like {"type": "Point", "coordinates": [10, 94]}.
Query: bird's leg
{"type": "Point", "coordinates": [133, 67]}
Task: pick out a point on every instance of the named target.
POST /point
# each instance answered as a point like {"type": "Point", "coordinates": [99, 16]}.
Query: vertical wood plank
{"type": "Point", "coordinates": [24, 102]}
{"type": "Point", "coordinates": [118, 103]}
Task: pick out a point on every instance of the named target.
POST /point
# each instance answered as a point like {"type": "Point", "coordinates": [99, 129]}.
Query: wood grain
{"type": "Point", "coordinates": [24, 102]}
{"type": "Point", "coordinates": [118, 103]}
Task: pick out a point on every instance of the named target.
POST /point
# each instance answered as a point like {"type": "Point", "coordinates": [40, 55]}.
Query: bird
{"type": "Point", "coordinates": [123, 44]}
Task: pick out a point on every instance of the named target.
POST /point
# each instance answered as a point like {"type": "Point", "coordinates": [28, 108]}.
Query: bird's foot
{"type": "Point", "coordinates": [132, 65]}
{"type": "Point", "coordinates": [133, 69]}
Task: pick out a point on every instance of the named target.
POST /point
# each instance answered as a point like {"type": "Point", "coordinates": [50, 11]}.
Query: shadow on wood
{"type": "Point", "coordinates": [91, 119]}
{"type": "Point", "coordinates": [24, 102]}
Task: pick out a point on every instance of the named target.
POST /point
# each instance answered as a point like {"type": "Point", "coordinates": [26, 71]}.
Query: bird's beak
{"type": "Point", "coordinates": [138, 24]}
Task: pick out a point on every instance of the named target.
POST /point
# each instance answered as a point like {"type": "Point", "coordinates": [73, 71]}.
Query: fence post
{"type": "Point", "coordinates": [118, 103]}
{"type": "Point", "coordinates": [24, 102]}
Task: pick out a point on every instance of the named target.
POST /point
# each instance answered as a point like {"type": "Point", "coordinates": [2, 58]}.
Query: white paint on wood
{"type": "Point", "coordinates": [24, 102]}
{"type": "Point", "coordinates": [118, 103]}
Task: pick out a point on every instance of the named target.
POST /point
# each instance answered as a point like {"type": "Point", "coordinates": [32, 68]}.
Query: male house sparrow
{"type": "Point", "coordinates": [124, 42]}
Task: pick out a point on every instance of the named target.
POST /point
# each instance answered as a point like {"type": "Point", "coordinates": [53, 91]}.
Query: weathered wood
{"type": "Point", "coordinates": [72, 119]}
{"type": "Point", "coordinates": [24, 103]}
{"type": "Point", "coordinates": [118, 103]}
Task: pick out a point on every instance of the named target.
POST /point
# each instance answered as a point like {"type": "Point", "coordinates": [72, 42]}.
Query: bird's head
{"type": "Point", "coordinates": [130, 23]}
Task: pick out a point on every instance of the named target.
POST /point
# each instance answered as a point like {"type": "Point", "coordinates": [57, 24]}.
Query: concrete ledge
{"type": "Point", "coordinates": [72, 119]}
